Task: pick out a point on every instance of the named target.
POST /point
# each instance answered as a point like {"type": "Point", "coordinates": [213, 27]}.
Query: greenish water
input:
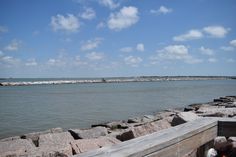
{"type": "Point", "coordinates": [26, 109]}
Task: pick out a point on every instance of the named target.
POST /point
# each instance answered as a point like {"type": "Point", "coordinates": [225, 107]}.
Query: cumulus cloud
{"type": "Point", "coordinates": [177, 52]}
{"type": "Point", "coordinates": [109, 3]}
{"type": "Point", "coordinates": [233, 42]}
{"type": "Point", "coordinates": [13, 46]}
{"type": "Point", "coordinates": [190, 35]}
{"type": "Point", "coordinates": [140, 47]}
{"type": "Point", "coordinates": [206, 51]}
{"type": "Point", "coordinates": [161, 10]}
{"type": "Point", "coordinates": [125, 18]}
{"type": "Point", "coordinates": [91, 44]}
{"type": "Point", "coordinates": [31, 62]}
{"type": "Point", "coordinates": [95, 56]}
{"type": "Point", "coordinates": [133, 61]}
{"type": "Point", "coordinates": [88, 14]}
{"type": "Point", "coordinates": [68, 23]}
{"type": "Point", "coordinates": [126, 49]}
{"type": "Point", "coordinates": [216, 31]}
{"type": "Point", "coordinates": [3, 29]}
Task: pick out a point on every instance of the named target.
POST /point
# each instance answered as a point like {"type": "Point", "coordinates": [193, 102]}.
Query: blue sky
{"type": "Point", "coordinates": [102, 38]}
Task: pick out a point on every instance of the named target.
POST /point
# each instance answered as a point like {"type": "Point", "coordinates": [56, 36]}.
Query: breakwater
{"type": "Point", "coordinates": [58, 142]}
{"type": "Point", "coordinates": [115, 80]}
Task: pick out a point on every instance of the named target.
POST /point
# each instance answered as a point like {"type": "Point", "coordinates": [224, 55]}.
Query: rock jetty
{"type": "Point", "coordinates": [116, 80]}
{"type": "Point", "coordinates": [57, 142]}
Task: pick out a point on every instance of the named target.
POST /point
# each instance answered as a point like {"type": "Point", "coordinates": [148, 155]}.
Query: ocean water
{"type": "Point", "coordinates": [25, 109]}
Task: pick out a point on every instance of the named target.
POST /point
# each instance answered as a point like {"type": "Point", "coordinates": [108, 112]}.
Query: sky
{"type": "Point", "coordinates": [112, 38]}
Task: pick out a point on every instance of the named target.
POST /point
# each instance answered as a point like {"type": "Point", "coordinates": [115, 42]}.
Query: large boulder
{"type": "Point", "coordinates": [56, 143]}
{"type": "Point", "coordinates": [183, 117]}
{"type": "Point", "coordinates": [144, 129]}
{"type": "Point", "coordinates": [84, 145]}
{"type": "Point", "coordinates": [35, 135]}
{"type": "Point", "coordinates": [152, 127]}
{"type": "Point", "coordinates": [88, 133]}
{"type": "Point", "coordinates": [18, 147]}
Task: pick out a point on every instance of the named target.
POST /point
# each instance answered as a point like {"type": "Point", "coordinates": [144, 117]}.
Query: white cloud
{"type": "Point", "coordinates": [125, 18]}
{"type": "Point", "coordinates": [109, 3]}
{"type": "Point", "coordinates": [95, 56]}
{"type": "Point", "coordinates": [140, 47]}
{"type": "Point", "coordinates": [177, 52]}
{"type": "Point", "coordinates": [31, 62]}
{"type": "Point", "coordinates": [133, 61]}
{"type": "Point", "coordinates": [91, 44]}
{"type": "Point", "coordinates": [206, 51]}
{"type": "Point", "coordinates": [9, 60]}
{"type": "Point", "coordinates": [69, 23]}
{"type": "Point", "coordinates": [13, 46]}
{"type": "Point", "coordinates": [190, 35]}
{"type": "Point", "coordinates": [233, 42]}
{"type": "Point", "coordinates": [216, 31]}
{"type": "Point", "coordinates": [88, 14]}
{"type": "Point", "coordinates": [227, 48]}
{"type": "Point", "coordinates": [212, 60]}
{"type": "Point", "coordinates": [126, 49]}
{"type": "Point", "coordinates": [161, 10]}
{"type": "Point", "coordinates": [174, 52]}
{"type": "Point", "coordinates": [3, 29]}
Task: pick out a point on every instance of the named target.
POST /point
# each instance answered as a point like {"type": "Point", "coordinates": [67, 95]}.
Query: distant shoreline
{"type": "Point", "coordinates": [54, 81]}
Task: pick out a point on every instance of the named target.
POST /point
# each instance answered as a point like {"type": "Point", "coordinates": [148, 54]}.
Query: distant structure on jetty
{"type": "Point", "coordinates": [117, 80]}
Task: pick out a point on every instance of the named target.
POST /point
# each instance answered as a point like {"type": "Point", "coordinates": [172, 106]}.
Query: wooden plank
{"type": "Point", "coordinates": [159, 141]}
{"type": "Point", "coordinates": [227, 127]}
{"type": "Point", "coordinates": [187, 145]}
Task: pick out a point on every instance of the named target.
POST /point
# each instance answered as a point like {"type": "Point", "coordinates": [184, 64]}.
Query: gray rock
{"type": "Point", "coordinates": [18, 147]}
{"type": "Point", "coordinates": [56, 143]}
{"type": "Point", "coordinates": [183, 117]}
{"type": "Point", "coordinates": [84, 145]}
{"type": "Point", "coordinates": [88, 133]}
